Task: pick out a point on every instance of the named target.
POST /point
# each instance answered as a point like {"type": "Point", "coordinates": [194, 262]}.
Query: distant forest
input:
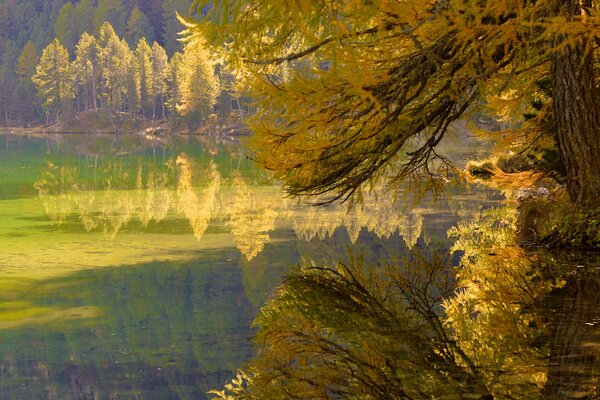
{"type": "Point", "coordinates": [27, 27]}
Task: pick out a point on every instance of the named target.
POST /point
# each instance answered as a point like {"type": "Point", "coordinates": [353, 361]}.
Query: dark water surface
{"type": "Point", "coordinates": [132, 268]}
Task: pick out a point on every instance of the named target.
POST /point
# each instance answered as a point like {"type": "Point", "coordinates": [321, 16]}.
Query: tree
{"type": "Point", "coordinates": [138, 27]}
{"type": "Point", "coordinates": [67, 27]}
{"type": "Point", "coordinates": [171, 24]}
{"type": "Point", "coordinates": [143, 62]}
{"type": "Point", "coordinates": [120, 84]}
{"type": "Point", "coordinates": [25, 95]}
{"type": "Point", "coordinates": [8, 81]}
{"type": "Point", "coordinates": [376, 85]}
{"type": "Point", "coordinates": [160, 63]}
{"type": "Point", "coordinates": [199, 85]}
{"type": "Point", "coordinates": [110, 11]}
{"type": "Point", "coordinates": [87, 60]}
{"type": "Point", "coordinates": [54, 79]}
{"type": "Point", "coordinates": [174, 81]}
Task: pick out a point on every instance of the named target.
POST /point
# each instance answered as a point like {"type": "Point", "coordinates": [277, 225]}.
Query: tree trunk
{"type": "Point", "coordinates": [577, 115]}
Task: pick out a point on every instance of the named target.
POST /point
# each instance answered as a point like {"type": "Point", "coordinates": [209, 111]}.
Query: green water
{"type": "Point", "coordinates": [132, 268]}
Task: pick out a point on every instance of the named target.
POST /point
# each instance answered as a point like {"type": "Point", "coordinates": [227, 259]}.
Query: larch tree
{"type": "Point", "coordinates": [160, 63]}
{"type": "Point", "coordinates": [374, 86]}
{"type": "Point", "coordinates": [173, 82]}
{"type": "Point", "coordinates": [87, 57]}
{"type": "Point", "coordinates": [143, 62]}
{"type": "Point", "coordinates": [199, 85]}
{"type": "Point", "coordinates": [116, 60]}
{"type": "Point", "coordinates": [54, 79]}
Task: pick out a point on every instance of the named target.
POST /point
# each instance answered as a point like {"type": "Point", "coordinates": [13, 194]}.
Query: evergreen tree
{"type": "Point", "coordinates": [171, 25]}
{"type": "Point", "coordinates": [25, 99]}
{"type": "Point", "coordinates": [138, 27]}
{"type": "Point", "coordinates": [8, 80]}
{"type": "Point", "coordinates": [67, 27]}
{"type": "Point", "coordinates": [54, 79]}
{"type": "Point", "coordinates": [110, 11]}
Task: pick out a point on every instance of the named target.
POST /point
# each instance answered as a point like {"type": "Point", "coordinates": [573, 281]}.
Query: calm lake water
{"type": "Point", "coordinates": [132, 268]}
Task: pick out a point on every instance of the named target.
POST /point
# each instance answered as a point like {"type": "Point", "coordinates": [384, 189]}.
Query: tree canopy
{"type": "Point", "coordinates": [353, 91]}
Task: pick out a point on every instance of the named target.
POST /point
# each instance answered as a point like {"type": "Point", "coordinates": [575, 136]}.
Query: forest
{"type": "Point", "coordinates": [61, 57]}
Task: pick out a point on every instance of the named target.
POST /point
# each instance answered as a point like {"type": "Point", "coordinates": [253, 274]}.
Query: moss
{"type": "Point", "coordinates": [559, 223]}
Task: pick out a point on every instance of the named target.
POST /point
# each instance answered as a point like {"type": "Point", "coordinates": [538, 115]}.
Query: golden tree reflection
{"type": "Point", "coordinates": [137, 192]}
{"type": "Point", "coordinates": [252, 214]}
{"type": "Point", "coordinates": [378, 214]}
{"type": "Point", "coordinates": [199, 206]}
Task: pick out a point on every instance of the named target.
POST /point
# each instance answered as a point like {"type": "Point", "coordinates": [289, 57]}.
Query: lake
{"type": "Point", "coordinates": [132, 267]}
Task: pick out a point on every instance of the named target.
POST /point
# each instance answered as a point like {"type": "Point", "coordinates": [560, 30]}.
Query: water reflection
{"type": "Point", "coordinates": [133, 269]}
{"type": "Point", "coordinates": [110, 196]}
{"type": "Point", "coordinates": [528, 317]}
{"type": "Point", "coordinates": [507, 323]}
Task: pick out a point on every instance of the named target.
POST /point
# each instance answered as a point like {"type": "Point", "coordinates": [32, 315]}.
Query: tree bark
{"type": "Point", "coordinates": [577, 115]}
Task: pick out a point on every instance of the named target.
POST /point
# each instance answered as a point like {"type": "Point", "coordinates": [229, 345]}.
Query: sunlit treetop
{"type": "Point", "coordinates": [351, 91]}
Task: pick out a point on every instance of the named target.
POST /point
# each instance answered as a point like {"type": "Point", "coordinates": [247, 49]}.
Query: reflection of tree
{"type": "Point", "coordinates": [198, 206]}
{"type": "Point", "coordinates": [516, 308]}
{"type": "Point", "coordinates": [516, 324]}
{"type": "Point", "coordinates": [497, 283]}
{"type": "Point", "coordinates": [378, 214]}
{"type": "Point", "coordinates": [54, 188]}
{"type": "Point", "coordinates": [64, 192]}
{"type": "Point", "coordinates": [346, 332]}
{"type": "Point", "coordinates": [574, 363]}
{"type": "Point", "coordinates": [252, 215]}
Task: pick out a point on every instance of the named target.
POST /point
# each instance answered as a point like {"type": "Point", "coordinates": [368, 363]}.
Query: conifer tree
{"type": "Point", "coordinates": [143, 63]}
{"type": "Point", "coordinates": [54, 79]}
{"type": "Point", "coordinates": [138, 27]}
{"type": "Point", "coordinates": [199, 85]}
{"type": "Point", "coordinates": [160, 63]}
{"type": "Point", "coordinates": [116, 63]}
{"type": "Point", "coordinates": [174, 80]}
{"type": "Point", "coordinates": [25, 99]}
{"type": "Point", "coordinates": [87, 70]}
{"type": "Point", "coordinates": [375, 85]}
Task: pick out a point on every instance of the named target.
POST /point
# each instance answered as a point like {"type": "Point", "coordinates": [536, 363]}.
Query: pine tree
{"type": "Point", "coordinates": [171, 25]}
{"type": "Point", "coordinates": [174, 80]}
{"type": "Point", "coordinates": [25, 98]}
{"type": "Point", "coordinates": [67, 27]}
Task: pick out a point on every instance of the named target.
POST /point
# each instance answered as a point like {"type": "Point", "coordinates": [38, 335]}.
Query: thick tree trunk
{"type": "Point", "coordinates": [577, 115]}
